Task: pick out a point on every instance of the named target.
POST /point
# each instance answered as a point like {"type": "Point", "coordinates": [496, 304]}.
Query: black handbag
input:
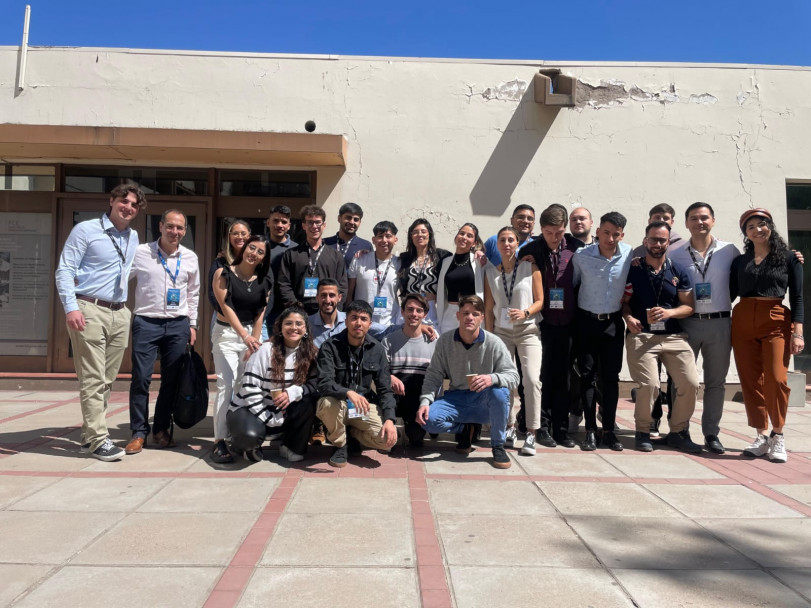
{"type": "Point", "coordinates": [191, 400]}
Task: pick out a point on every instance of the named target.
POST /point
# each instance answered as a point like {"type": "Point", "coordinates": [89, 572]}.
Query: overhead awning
{"type": "Point", "coordinates": [48, 143]}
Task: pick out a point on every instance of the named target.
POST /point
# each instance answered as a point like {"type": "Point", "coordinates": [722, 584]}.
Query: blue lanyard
{"type": "Point", "coordinates": [166, 268]}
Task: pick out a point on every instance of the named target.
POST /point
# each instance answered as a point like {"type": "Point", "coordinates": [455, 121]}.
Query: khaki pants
{"type": "Point", "coordinates": [332, 413]}
{"type": "Point", "coordinates": [643, 352]}
{"type": "Point", "coordinates": [97, 354]}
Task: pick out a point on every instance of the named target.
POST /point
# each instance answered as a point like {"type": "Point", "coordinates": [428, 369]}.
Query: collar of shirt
{"type": "Point", "coordinates": [458, 338]}
{"type": "Point", "coordinates": [107, 224]}
{"type": "Point", "coordinates": [317, 320]}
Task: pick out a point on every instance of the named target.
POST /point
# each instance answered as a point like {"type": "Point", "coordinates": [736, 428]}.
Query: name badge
{"type": "Point", "coordinates": [380, 305]}
{"type": "Point", "coordinates": [556, 298]}
{"type": "Point", "coordinates": [504, 318]}
{"type": "Point", "coordinates": [703, 297]}
{"type": "Point", "coordinates": [122, 282]}
{"type": "Point", "coordinates": [173, 298]}
{"type": "Point", "coordinates": [352, 412]}
{"type": "Point", "coordinates": [657, 326]}
{"type": "Point", "coordinates": [310, 287]}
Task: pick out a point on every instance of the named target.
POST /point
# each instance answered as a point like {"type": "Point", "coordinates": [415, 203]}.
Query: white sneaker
{"type": "Point", "coordinates": [108, 451]}
{"type": "Point", "coordinates": [509, 441]}
{"type": "Point", "coordinates": [574, 423]}
{"type": "Point", "coordinates": [529, 445]}
{"type": "Point", "coordinates": [777, 448]}
{"type": "Point", "coordinates": [290, 454]}
{"type": "Point", "coordinates": [759, 447]}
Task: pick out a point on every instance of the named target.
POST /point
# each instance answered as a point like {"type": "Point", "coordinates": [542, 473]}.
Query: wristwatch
{"type": "Point", "coordinates": [526, 314]}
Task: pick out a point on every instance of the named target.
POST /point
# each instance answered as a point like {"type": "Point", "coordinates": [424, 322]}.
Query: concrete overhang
{"type": "Point", "coordinates": [48, 143]}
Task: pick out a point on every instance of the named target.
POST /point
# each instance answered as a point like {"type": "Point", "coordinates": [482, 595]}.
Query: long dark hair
{"type": "Point", "coordinates": [777, 246]}
{"type": "Point", "coordinates": [411, 250]}
{"type": "Point", "coordinates": [305, 356]}
{"type": "Point", "coordinates": [264, 266]}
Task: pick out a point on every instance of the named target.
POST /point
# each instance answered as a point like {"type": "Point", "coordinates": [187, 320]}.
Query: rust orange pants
{"type": "Point", "coordinates": [761, 331]}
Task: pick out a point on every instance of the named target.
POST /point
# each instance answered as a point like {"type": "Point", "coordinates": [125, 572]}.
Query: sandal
{"type": "Point", "coordinates": [220, 453]}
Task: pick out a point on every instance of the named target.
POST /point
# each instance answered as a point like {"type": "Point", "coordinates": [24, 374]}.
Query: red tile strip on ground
{"type": "Point", "coordinates": [39, 410]}
{"type": "Point", "coordinates": [237, 574]}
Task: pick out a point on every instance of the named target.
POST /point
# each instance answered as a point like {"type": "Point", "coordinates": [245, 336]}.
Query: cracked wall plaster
{"type": "Point", "coordinates": [614, 93]}
{"type": "Point", "coordinates": [512, 90]}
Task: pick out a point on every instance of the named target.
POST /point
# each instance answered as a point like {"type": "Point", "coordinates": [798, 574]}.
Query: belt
{"type": "Point", "coordinates": [223, 323]}
{"type": "Point", "coordinates": [102, 303]}
{"type": "Point", "coordinates": [601, 316]}
{"type": "Point", "coordinates": [711, 315]}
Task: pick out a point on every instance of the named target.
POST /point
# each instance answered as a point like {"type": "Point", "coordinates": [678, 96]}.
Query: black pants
{"type": "Point", "coordinates": [407, 406]}
{"type": "Point", "coordinates": [150, 337]}
{"type": "Point", "coordinates": [556, 341]}
{"type": "Point", "coordinates": [298, 421]}
{"type": "Point", "coordinates": [601, 344]}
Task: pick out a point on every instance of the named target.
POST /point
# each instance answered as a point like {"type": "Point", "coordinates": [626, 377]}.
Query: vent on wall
{"type": "Point", "coordinates": [555, 89]}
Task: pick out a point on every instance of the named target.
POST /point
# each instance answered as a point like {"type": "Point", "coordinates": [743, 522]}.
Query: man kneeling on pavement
{"type": "Point", "coordinates": [481, 374]}
{"type": "Point", "coordinates": [348, 363]}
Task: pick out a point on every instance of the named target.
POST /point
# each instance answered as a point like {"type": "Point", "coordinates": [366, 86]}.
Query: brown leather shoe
{"type": "Point", "coordinates": [163, 440]}
{"type": "Point", "coordinates": [135, 445]}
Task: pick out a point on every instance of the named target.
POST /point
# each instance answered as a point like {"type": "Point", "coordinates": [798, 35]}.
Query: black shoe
{"type": "Point", "coordinates": [433, 435]}
{"type": "Point", "coordinates": [477, 433]}
{"type": "Point", "coordinates": [642, 442]}
{"type": "Point", "coordinates": [682, 442]}
{"type": "Point", "coordinates": [589, 443]}
{"type": "Point", "coordinates": [220, 453]}
{"type": "Point", "coordinates": [562, 439]}
{"type": "Point", "coordinates": [713, 445]}
{"type": "Point", "coordinates": [464, 440]}
{"type": "Point", "coordinates": [610, 440]}
{"type": "Point", "coordinates": [543, 437]}
{"type": "Point", "coordinates": [339, 457]}
{"type": "Point", "coordinates": [500, 458]}
{"type": "Point", "coordinates": [654, 427]}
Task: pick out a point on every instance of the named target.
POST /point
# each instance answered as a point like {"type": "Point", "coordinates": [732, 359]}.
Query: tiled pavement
{"type": "Point", "coordinates": [563, 528]}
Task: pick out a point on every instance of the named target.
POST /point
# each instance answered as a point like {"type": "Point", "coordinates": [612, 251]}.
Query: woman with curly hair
{"type": "Point", "coordinates": [419, 265]}
{"type": "Point", "coordinates": [764, 332]}
{"type": "Point", "coordinates": [278, 388]}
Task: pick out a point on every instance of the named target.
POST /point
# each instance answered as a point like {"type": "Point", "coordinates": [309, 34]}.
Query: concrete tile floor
{"type": "Point", "coordinates": [423, 528]}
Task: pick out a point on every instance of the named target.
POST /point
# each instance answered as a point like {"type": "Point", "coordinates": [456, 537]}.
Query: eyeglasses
{"type": "Point", "coordinates": [655, 241]}
{"type": "Point", "coordinates": [293, 324]}
{"type": "Point", "coordinates": [242, 234]}
{"type": "Point", "coordinates": [314, 223]}
{"type": "Point", "coordinates": [255, 249]}
{"type": "Point", "coordinates": [524, 218]}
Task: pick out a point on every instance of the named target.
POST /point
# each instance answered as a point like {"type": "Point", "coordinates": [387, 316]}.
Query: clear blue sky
{"type": "Point", "coordinates": [707, 31]}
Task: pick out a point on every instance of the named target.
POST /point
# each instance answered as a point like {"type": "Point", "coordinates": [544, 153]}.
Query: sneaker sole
{"type": "Point", "coordinates": [502, 465]}
{"type": "Point", "coordinates": [110, 458]}
{"type": "Point", "coordinates": [526, 452]}
{"type": "Point", "coordinates": [337, 465]}
{"type": "Point", "coordinates": [752, 454]}
{"type": "Point", "coordinates": [465, 450]}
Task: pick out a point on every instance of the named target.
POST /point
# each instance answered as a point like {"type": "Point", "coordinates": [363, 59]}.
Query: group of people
{"type": "Point", "coordinates": [334, 338]}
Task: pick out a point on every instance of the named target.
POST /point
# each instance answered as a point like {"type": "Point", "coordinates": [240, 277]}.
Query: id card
{"type": "Point", "coordinates": [657, 326]}
{"type": "Point", "coordinates": [504, 318]}
{"type": "Point", "coordinates": [173, 298]}
{"type": "Point", "coordinates": [703, 297]}
{"type": "Point", "coordinates": [353, 412]}
{"type": "Point", "coordinates": [310, 287]}
{"type": "Point", "coordinates": [556, 298]}
{"type": "Point", "coordinates": [380, 305]}
{"type": "Point", "coordinates": [122, 282]}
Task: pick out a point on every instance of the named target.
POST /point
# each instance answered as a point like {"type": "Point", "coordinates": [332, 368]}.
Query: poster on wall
{"type": "Point", "coordinates": [25, 280]}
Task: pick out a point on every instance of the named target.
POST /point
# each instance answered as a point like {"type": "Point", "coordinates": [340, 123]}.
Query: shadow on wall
{"type": "Point", "coordinates": [519, 142]}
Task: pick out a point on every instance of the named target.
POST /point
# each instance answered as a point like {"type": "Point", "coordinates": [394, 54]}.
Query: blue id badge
{"type": "Point", "coordinates": [556, 298]}
{"type": "Point", "coordinates": [352, 411]}
{"type": "Point", "coordinates": [310, 287]}
{"type": "Point", "coordinates": [380, 305]}
{"type": "Point", "coordinates": [703, 297]}
{"type": "Point", "coordinates": [173, 298]}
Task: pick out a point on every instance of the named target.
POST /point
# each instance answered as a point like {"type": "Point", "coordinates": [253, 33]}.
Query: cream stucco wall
{"type": "Point", "coordinates": [455, 140]}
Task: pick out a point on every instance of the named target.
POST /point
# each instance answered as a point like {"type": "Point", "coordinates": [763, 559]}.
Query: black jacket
{"type": "Point", "coordinates": [335, 378]}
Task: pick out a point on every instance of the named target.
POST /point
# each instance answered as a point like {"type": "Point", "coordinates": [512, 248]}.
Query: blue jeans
{"type": "Point", "coordinates": [457, 408]}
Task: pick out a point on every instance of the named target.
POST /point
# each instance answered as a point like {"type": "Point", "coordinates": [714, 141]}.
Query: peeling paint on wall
{"type": "Point", "coordinates": [613, 93]}
{"type": "Point", "coordinates": [512, 90]}
{"type": "Point", "coordinates": [704, 99]}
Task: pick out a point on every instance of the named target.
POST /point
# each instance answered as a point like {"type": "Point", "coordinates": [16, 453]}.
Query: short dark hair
{"type": "Point", "coordinates": [614, 217]}
{"type": "Point", "coordinates": [662, 208]}
{"type": "Point", "coordinates": [328, 282]}
{"type": "Point", "coordinates": [656, 225]}
{"type": "Point", "coordinates": [352, 208]}
{"type": "Point", "coordinates": [383, 227]}
{"type": "Point", "coordinates": [554, 215]}
{"type": "Point", "coordinates": [523, 208]}
{"type": "Point", "coordinates": [361, 306]}
{"type": "Point", "coordinates": [281, 210]}
{"type": "Point", "coordinates": [698, 205]}
{"type": "Point", "coordinates": [168, 211]}
{"type": "Point", "coordinates": [474, 300]}
{"type": "Point", "coordinates": [122, 190]}
{"type": "Point", "coordinates": [420, 299]}
{"type": "Point", "coordinates": [313, 210]}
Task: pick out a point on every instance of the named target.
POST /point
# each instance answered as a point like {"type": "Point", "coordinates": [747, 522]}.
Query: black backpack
{"type": "Point", "coordinates": [191, 400]}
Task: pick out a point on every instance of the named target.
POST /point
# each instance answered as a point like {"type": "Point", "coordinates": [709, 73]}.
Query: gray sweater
{"type": "Point", "coordinates": [453, 361]}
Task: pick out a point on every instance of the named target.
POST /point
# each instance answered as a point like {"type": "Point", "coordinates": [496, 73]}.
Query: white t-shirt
{"type": "Point", "coordinates": [376, 283]}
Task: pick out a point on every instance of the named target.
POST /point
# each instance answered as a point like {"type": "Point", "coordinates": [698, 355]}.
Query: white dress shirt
{"type": "Point", "coordinates": [154, 282]}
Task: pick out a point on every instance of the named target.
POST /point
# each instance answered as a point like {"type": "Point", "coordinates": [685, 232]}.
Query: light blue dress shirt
{"type": "Point", "coordinates": [321, 332]}
{"type": "Point", "coordinates": [90, 264]}
{"type": "Point", "coordinates": [601, 281]}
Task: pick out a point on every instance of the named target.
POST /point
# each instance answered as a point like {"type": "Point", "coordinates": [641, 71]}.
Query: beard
{"type": "Point", "coordinates": [656, 254]}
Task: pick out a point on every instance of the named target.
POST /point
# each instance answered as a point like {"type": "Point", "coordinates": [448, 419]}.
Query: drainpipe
{"type": "Point", "coordinates": [24, 49]}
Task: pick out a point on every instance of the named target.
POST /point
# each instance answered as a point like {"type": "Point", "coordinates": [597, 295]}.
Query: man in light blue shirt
{"type": "Point", "coordinates": [523, 220]}
{"type": "Point", "coordinates": [91, 280]}
{"type": "Point", "coordinates": [328, 321]}
{"type": "Point", "coordinates": [601, 271]}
